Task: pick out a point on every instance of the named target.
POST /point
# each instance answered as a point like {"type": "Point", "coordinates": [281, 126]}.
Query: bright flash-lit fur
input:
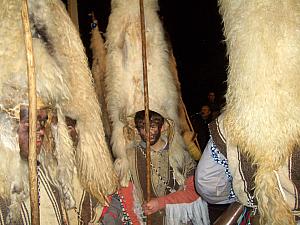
{"type": "Point", "coordinates": [63, 81]}
{"type": "Point", "coordinates": [124, 78]}
{"type": "Point", "coordinates": [262, 112]}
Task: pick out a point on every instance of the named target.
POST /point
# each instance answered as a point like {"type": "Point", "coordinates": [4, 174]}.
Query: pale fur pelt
{"type": "Point", "coordinates": [63, 80]}
{"type": "Point", "coordinates": [57, 164]}
{"type": "Point", "coordinates": [262, 112]}
{"type": "Point", "coordinates": [183, 117]}
{"type": "Point", "coordinates": [98, 71]}
{"type": "Point", "coordinates": [124, 78]}
{"type": "Point", "coordinates": [13, 170]}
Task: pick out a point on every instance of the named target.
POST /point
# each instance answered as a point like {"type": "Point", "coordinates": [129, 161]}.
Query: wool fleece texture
{"type": "Point", "coordinates": [124, 79]}
{"type": "Point", "coordinates": [263, 97]}
{"type": "Point", "coordinates": [64, 81]}
{"type": "Point", "coordinates": [98, 71]}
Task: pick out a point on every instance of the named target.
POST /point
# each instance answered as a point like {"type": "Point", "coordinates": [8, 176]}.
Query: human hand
{"type": "Point", "coordinates": [188, 137]}
{"type": "Point", "coordinates": [150, 207]}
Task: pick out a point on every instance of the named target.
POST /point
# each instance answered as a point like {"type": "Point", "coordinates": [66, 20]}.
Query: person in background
{"type": "Point", "coordinates": [200, 123]}
{"type": "Point", "coordinates": [213, 104]}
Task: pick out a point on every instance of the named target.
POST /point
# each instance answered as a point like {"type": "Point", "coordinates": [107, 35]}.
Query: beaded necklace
{"type": "Point", "coordinates": [172, 190]}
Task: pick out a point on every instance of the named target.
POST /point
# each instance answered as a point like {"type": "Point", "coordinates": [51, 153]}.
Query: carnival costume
{"type": "Point", "coordinates": [262, 113]}
{"type": "Point", "coordinates": [64, 85]}
{"type": "Point", "coordinates": [124, 82]}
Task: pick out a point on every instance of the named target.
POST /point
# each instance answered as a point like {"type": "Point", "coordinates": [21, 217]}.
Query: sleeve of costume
{"type": "Point", "coordinates": [210, 179]}
{"type": "Point", "coordinates": [187, 195]}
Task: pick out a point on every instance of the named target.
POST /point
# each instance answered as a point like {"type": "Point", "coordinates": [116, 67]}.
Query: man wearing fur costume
{"type": "Point", "coordinates": [64, 88]}
{"type": "Point", "coordinates": [54, 195]}
{"type": "Point", "coordinates": [163, 182]}
{"type": "Point", "coordinates": [166, 193]}
{"type": "Point", "coordinates": [125, 102]}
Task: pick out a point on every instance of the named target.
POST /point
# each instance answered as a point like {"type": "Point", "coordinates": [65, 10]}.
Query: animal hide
{"type": "Point", "coordinates": [124, 78]}
{"type": "Point", "coordinates": [64, 81]}
{"type": "Point", "coordinates": [262, 111]}
{"type": "Point", "coordinates": [98, 71]}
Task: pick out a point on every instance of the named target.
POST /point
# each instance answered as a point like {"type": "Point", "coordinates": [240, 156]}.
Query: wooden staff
{"type": "Point", "coordinates": [73, 12]}
{"type": "Point", "coordinates": [231, 215]}
{"type": "Point", "coordinates": [189, 123]}
{"type": "Point", "coordinates": [32, 158]}
{"type": "Point", "coordinates": [146, 103]}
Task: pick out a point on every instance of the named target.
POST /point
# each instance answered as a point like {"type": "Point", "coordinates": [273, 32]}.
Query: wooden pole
{"type": "Point", "coordinates": [32, 158]}
{"type": "Point", "coordinates": [73, 12]}
{"type": "Point", "coordinates": [146, 103]}
{"type": "Point", "coordinates": [190, 124]}
{"type": "Point", "coordinates": [231, 215]}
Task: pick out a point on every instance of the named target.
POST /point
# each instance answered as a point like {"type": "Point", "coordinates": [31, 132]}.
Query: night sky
{"type": "Point", "coordinates": [195, 30]}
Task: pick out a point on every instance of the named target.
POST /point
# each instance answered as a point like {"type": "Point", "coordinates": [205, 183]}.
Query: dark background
{"type": "Point", "coordinates": [195, 30]}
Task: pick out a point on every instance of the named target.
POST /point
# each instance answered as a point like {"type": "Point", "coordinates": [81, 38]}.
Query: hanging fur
{"type": "Point", "coordinates": [98, 71]}
{"type": "Point", "coordinates": [262, 112]}
{"type": "Point", "coordinates": [124, 78]}
{"type": "Point", "coordinates": [64, 81]}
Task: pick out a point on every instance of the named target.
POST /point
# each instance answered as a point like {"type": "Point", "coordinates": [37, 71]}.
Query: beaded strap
{"type": "Point", "coordinates": [224, 162]}
{"type": "Point", "coordinates": [125, 216]}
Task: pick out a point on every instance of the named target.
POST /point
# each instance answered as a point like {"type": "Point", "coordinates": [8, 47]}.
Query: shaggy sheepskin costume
{"type": "Point", "coordinates": [64, 83]}
{"type": "Point", "coordinates": [124, 79]}
{"type": "Point", "coordinates": [98, 71]}
{"type": "Point", "coordinates": [262, 112]}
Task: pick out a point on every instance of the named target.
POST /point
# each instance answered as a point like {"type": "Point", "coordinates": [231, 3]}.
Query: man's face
{"type": "Point", "coordinates": [211, 96]}
{"type": "Point", "coordinates": [23, 130]}
{"type": "Point", "coordinates": [205, 111]}
{"type": "Point", "coordinates": [71, 124]}
{"type": "Point", "coordinates": [155, 132]}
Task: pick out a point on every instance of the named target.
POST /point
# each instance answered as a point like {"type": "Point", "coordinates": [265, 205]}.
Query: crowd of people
{"type": "Point", "coordinates": [145, 173]}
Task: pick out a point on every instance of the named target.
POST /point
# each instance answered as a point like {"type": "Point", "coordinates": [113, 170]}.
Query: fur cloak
{"type": "Point", "coordinates": [262, 112]}
{"type": "Point", "coordinates": [98, 71]}
{"type": "Point", "coordinates": [124, 78]}
{"type": "Point", "coordinates": [64, 81]}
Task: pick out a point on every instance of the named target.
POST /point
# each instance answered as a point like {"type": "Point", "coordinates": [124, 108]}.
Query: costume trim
{"type": "Point", "coordinates": [294, 174]}
{"type": "Point", "coordinates": [195, 212]}
{"type": "Point", "coordinates": [247, 174]}
{"type": "Point", "coordinates": [25, 215]}
{"type": "Point", "coordinates": [218, 137]}
{"type": "Point", "coordinates": [3, 211]}
{"type": "Point", "coordinates": [53, 196]}
{"type": "Point", "coordinates": [223, 162]}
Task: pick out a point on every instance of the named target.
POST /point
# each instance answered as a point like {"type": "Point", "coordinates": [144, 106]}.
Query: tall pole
{"type": "Point", "coordinates": [73, 12]}
{"type": "Point", "coordinates": [32, 158]}
{"type": "Point", "coordinates": [146, 103]}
